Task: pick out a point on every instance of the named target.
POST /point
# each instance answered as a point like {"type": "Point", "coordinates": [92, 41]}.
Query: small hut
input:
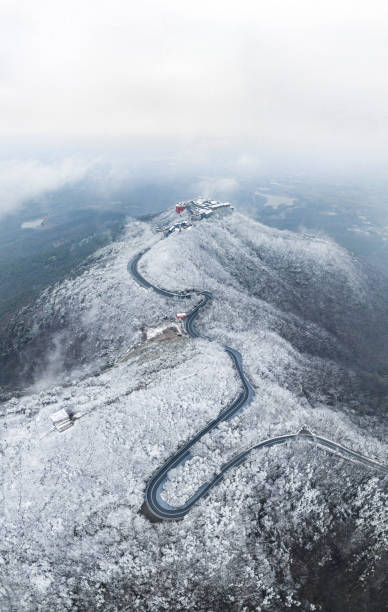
{"type": "Point", "coordinates": [61, 420]}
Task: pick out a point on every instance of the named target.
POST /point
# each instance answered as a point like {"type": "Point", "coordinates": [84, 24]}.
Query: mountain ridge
{"type": "Point", "coordinates": [81, 490]}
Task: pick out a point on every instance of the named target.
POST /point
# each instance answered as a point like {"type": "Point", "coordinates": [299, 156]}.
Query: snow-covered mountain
{"type": "Point", "coordinates": [311, 325]}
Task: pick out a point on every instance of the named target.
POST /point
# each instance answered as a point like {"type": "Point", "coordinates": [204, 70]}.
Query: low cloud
{"type": "Point", "coordinates": [21, 181]}
{"type": "Point", "coordinates": [210, 188]}
{"type": "Point", "coordinates": [298, 79]}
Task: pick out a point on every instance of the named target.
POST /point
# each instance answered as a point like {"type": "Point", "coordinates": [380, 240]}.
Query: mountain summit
{"type": "Point", "coordinates": [311, 325]}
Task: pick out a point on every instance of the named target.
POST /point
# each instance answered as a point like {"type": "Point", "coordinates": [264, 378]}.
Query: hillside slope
{"type": "Point", "coordinates": [312, 328]}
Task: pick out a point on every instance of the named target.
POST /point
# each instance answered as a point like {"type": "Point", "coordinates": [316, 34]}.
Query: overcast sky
{"type": "Point", "coordinates": [303, 77]}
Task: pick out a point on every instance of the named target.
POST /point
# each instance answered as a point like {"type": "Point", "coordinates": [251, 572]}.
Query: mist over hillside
{"type": "Point", "coordinates": [310, 320]}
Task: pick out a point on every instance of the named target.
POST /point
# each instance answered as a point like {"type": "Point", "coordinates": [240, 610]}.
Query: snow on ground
{"type": "Point", "coordinates": [86, 322]}
{"type": "Point", "coordinates": [252, 325]}
{"type": "Point", "coordinates": [74, 537]}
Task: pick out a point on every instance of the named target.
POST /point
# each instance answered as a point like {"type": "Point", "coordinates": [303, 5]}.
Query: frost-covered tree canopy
{"type": "Point", "coordinates": [312, 326]}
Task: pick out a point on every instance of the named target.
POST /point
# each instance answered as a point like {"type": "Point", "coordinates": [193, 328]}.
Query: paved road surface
{"type": "Point", "coordinates": [154, 505]}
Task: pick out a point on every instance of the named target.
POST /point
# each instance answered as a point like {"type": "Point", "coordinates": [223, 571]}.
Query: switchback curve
{"type": "Point", "coordinates": [154, 505]}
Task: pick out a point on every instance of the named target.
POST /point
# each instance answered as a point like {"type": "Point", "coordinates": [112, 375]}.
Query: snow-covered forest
{"type": "Point", "coordinates": [312, 326]}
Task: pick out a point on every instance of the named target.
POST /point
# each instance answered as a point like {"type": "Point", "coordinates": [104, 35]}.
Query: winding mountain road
{"type": "Point", "coordinates": [155, 507]}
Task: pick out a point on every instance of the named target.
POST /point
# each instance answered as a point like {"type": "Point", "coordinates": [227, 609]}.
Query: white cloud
{"type": "Point", "coordinates": [209, 187]}
{"type": "Point", "coordinates": [285, 75]}
{"type": "Point", "coordinates": [21, 181]}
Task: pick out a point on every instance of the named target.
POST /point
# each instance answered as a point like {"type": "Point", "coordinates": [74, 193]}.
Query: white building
{"type": "Point", "coordinates": [61, 420]}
